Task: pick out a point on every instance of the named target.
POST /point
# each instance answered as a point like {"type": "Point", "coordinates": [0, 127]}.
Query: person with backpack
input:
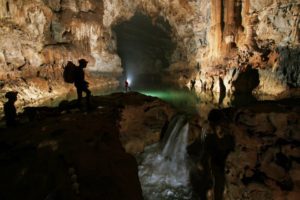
{"type": "Point", "coordinates": [81, 84]}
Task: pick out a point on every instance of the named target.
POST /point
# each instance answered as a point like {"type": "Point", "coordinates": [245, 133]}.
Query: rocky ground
{"type": "Point", "coordinates": [65, 153]}
{"type": "Point", "coordinates": [255, 156]}
{"type": "Point", "coordinates": [265, 161]}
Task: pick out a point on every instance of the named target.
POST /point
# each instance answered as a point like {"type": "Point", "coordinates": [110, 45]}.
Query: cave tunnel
{"type": "Point", "coordinates": [145, 49]}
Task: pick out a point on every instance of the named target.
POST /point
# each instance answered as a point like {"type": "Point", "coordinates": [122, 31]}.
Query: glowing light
{"type": "Point", "coordinates": [129, 80]}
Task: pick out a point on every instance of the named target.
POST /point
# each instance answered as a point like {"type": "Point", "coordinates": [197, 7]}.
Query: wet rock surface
{"type": "Point", "coordinates": [254, 156]}
{"type": "Point", "coordinates": [39, 37]}
{"type": "Point", "coordinates": [266, 135]}
{"type": "Point", "coordinates": [248, 152]}
{"type": "Point", "coordinates": [65, 153]}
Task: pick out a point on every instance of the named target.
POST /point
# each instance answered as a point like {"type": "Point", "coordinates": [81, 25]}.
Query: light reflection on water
{"type": "Point", "coordinates": [72, 96]}
{"type": "Point", "coordinates": [159, 176]}
{"type": "Point", "coordinates": [157, 185]}
{"type": "Point", "coordinates": [182, 100]}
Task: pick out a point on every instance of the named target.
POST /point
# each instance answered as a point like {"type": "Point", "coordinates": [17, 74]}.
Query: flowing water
{"type": "Point", "coordinates": [163, 169]}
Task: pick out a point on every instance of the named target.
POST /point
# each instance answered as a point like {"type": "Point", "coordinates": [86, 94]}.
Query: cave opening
{"type": "Point", "coordinates": [145, 47]}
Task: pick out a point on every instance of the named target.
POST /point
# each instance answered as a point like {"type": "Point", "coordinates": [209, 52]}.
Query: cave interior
{"type": "Point", "coordinates": [145, 47]}
{"type": "Point", "coordinates": [211, 112]}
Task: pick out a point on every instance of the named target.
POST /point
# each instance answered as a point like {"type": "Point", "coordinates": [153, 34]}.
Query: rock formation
{"type": "Point", "coordinates": [233, 47]}
{"type": "Point", "coordinates": [39, 37]}
{"type": "Point", "coordinates": [262, 34]}
{"type": "Point", "coordinates": [254, 156]}
{"type": "Point", "coordinates": [63, 153]}
{"type": "Point", "coordinates": [213, 38]}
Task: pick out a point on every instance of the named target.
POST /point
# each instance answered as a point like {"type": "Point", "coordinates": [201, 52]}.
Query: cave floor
{"type": "Point", "coordinates": [65, 153]}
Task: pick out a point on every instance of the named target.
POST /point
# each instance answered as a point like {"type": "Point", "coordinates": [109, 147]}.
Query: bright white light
{"type": "Point", "coordinates": [129, 80]}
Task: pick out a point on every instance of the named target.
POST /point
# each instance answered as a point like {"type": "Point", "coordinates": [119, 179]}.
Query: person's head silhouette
{"type": "Point", "coordinates": [10, 111]}
{"type": "Point", "coordinates": [82, 63]}
{"type": "Point", "coordinates": [11, 96]}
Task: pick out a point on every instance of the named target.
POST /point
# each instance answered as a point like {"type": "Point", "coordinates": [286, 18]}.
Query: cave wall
{"type": "Point", "coordinates": [188, 21]}
{"type": "Point", "coordinates": [262, 34]}
{"type": "Point", "coordinates": [214, 38]}
{"type": "Point", "coordinates": [38, 37]}
{"type": "Point", "coordinates": [144, 48]}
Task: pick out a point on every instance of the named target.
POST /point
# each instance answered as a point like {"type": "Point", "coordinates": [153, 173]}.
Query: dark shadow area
{"type": "Point", "coordinates": [210, 154]}
{"type": "Point", "coordinates": [63, 153]}
{"type": "Point", "coordinates": [10, 111]}
{"type": "Point", "coordinates": [246, 82]}
{"type": "Point", "coordinates": [145, 47]}
{"type": "Point", "coordinates": [222, 91]}
{"type": "Point", "coordinates": [289, 66]}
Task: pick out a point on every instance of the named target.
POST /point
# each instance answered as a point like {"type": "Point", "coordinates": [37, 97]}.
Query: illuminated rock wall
{"type": "Point", "coordinates": [39, 37]}
{"type": "Point", "coordinates": [213, 38]}
{"type": "Point", "coordinates": [260, 34]}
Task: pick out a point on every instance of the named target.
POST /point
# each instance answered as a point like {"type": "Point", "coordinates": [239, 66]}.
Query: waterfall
{"type": "Point", "coordinates": [163, 171]}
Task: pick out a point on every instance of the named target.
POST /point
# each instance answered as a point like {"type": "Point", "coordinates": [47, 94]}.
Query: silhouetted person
{"type": "Point", "coordinates": [217, 146]}
{"type": "Point", "coordinates": [193, 81]}
{"type": "Point", "coordinates": [80, 84]}
{"type": "Point", "coordinates": [127, 88]}
{"type": "Point", "coordinates": [10, 111]}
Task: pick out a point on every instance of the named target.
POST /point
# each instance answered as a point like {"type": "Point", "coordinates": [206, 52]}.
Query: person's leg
{"type": "Point", "coordinates": [88, 95]}
{"type": "Point", "coordinates": [79, 96]}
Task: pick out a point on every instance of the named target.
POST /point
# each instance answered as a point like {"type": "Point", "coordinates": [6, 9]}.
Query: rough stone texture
{"type": "Point", "coordinates": [266, 152]}
{"type": "Point", "coordinates": [258, 146]}
{"type": "Point", "coordinates": [141, 125]}
{"type": "Point", "coordinates": [65, 30]}
{"type": "Point", "coordinates": [264, 34]}
{"type": "Point", "coordinates": [39, 37]}
{"type": "Point", "coordinates": [213, 38]}
{"type": "Point", "coordinates": [40, 156]}
{"type": "Point", "coordinates": [65, 153]}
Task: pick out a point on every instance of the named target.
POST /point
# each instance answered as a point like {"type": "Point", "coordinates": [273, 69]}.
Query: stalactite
{"type": "Point", "coordinates": [216, 27]}
{"type": "Point", "coordinates": [226, 26]}
{"type": "Point", "coordinates": [7, 7]}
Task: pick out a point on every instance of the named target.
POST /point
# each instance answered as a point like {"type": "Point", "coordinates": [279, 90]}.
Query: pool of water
{"type": "Point", "coordinates": [183, 100]}
{"type": "Point", "coordinates": [157, 182]}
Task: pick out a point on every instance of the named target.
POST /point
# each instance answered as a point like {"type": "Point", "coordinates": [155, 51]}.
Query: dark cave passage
{"type": "Point", "coordinates": [145, 49]}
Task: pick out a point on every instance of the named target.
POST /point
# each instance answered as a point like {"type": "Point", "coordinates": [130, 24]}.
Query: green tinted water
{"type": "Point", "coordinates": [183, 100]}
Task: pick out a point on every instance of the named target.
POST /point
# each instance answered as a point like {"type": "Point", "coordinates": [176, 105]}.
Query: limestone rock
{"type": "Point", "coordinates": [147, 119]}
{"type": "Point", "coordinates": [66, 154]}
{"type": "Point", "coordinates": [263, 34]}
{"type": "Point", "coordinates": [268, 159]}
{"type": "Point", "coordinates": [53, 4]}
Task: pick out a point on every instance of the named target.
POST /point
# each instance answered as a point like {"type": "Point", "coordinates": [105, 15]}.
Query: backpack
{"type": "Point", "coordinates": [69, 73]}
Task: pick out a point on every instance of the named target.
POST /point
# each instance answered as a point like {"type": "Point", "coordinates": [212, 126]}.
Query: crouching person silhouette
{"type": "Point", "coordinates": [10, 111]}
{"type": "Point", "coordinates": [82, 85]}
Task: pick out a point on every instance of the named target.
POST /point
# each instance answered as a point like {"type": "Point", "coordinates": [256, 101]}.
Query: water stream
{"type": "Point", "coordinates": [163, 169]}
